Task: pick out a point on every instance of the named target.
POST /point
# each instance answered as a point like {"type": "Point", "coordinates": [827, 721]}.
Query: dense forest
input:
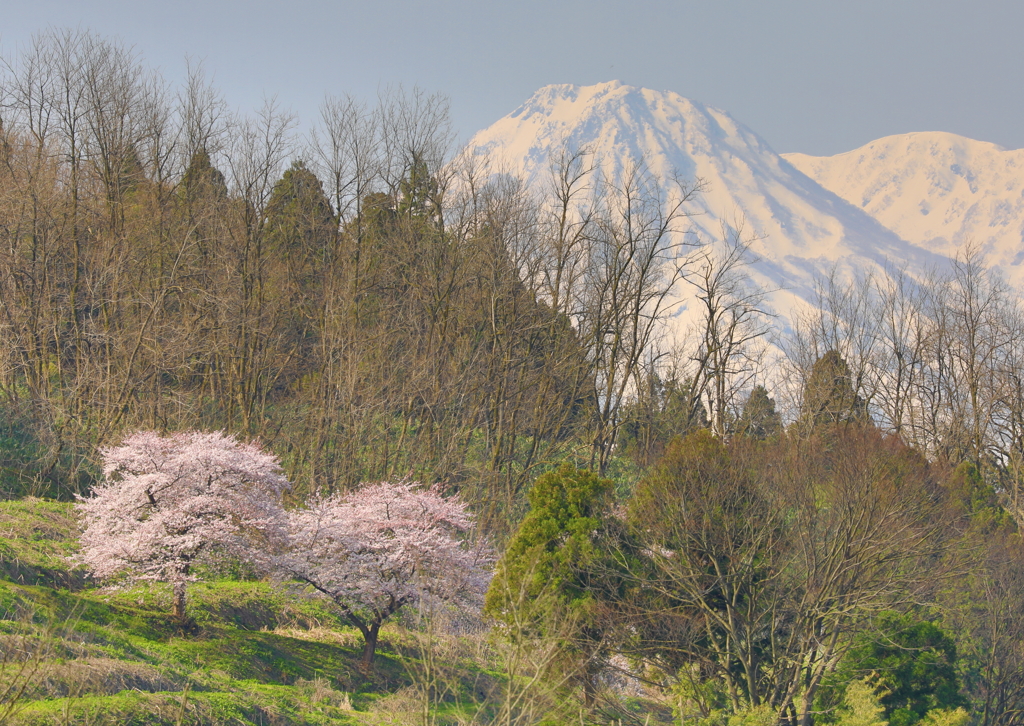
{"type": "Point", "coordinates": [733, 521]}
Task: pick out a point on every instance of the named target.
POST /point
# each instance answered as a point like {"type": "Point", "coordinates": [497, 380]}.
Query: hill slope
{"type": "Point", "coordinates": [257, 653]}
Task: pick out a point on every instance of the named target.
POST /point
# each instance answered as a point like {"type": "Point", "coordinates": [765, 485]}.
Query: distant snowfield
{"type": "Point", "coordinates": [805, 229]}
{"type": "Point", "coordinates": [935, 190]}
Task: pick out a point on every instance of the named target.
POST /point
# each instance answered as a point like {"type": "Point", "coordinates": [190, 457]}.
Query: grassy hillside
{"type": "Point", "coordinates": [256, 652]}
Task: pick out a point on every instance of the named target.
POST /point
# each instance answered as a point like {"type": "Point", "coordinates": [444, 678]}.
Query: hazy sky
{"type": "Point", "coordinates": [818, 76]}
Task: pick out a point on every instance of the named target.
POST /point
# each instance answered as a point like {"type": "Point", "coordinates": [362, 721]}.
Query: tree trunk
{"type": "Point", "coordinates": [178, 609]}
{"type": "Point", "coordinates": [589, 689]}
{"type": "Point", "coordinates": [370, 647]}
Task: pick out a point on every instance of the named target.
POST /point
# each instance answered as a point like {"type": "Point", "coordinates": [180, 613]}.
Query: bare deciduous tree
{"type": "Point", "coordinates": [732, 325]}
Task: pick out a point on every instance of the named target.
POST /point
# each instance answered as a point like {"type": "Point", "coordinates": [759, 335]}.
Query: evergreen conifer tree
{"type": "Point", "coordinates": [759, 419]}
{"type": "Point", "coordinates": [829, 396]}
{"type": "Point", "coordinates": [556, 579]}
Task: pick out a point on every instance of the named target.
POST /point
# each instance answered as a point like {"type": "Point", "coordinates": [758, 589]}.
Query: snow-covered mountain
{"type": "Point", "coordinates": [805, 230]}
{"type": "Point", "coordinates": [936, 190]}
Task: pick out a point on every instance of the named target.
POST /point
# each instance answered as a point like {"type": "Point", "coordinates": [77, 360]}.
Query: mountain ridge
{"type": "Point", "coordinates": [802, 231]}
{"type": "Point", "coordinates": [939, 191]}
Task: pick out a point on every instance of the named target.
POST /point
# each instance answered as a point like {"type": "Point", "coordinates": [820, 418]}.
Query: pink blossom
{"type": "Point", "coordinates": [383, 546]}
{"type": "Point", "coordinates": [167, 503]}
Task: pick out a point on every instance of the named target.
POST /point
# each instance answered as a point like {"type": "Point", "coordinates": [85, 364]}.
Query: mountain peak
{"type": "Point", "coordinates": [801, 229]}
{"type": "Point", "coordinates": [614, 120]}
{"type": "Point", "coordinates": [563, 101]}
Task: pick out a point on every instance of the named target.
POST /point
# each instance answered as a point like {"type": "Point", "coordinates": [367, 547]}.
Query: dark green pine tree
{"type": "Point", "coordinates": [662, 411]}
{"type": "Point", "coordinates": [299, 235]}
{"type": "Point", "coordinates": [556, 580]}
{"type": "Point", "coordinates": [300, 224]}
{"type": "Point", "coordinates": [202, 179]}
{"type": "Point", "coordinates": [419, 193]}
{"type": "Point", "coordinates": [914, 662]}
{"type": "Point", "coordinates": [682, 410]}
{"type": "Point", "coordinates": [759, 419]}
{"type": "Point", "coordinates": [829, 397]}
{"type": "Point", "coordinates": [203, 202]}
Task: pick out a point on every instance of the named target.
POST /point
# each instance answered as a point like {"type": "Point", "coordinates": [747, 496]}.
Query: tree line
{"type": "Point", "coordinates": [371, 302]}
{"type": "Point", "coordinates": [768, 581]}
{"type": "Point", "coordinates": [361, 299]}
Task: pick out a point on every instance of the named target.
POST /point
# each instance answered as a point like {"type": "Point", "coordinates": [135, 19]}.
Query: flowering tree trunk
{"type": "Point", "coordinates": [368, 627]}
{"type": "Point", "coordinates": [369, 646]}
{"type": "Point", "coordinates": [178, 588]}
{"type": "Point", "coordinates": [178, 608]}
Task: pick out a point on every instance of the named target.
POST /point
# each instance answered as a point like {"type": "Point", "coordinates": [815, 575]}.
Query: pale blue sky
{"type": "Point", "coordinates": [814, 76]}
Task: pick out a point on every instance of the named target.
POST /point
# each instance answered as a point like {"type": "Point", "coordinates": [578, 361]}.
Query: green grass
{"type": "Point", "coordinates": [117, 656]}
{"type": "Point", "coordinates": [36, 538]}
{"type": "Point", "coordinates": [257, 704]}
{"type": "Point", "coordinates": [255, 652]}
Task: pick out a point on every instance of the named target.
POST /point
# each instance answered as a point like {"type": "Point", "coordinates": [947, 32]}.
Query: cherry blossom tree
{"type": "Point", "coordinates": [383, 546]}
{"type": "Point", "coordinates": [169, 503]}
